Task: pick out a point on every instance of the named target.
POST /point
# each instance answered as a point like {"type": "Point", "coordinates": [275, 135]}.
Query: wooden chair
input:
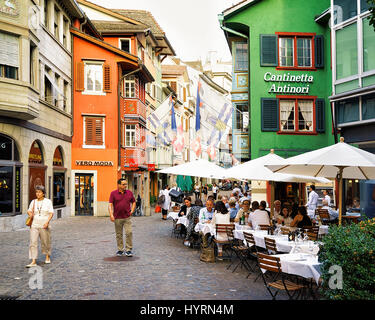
{"type": "Point", "coordinates": [252, 249]}
{"type": "Point", "coordinates": [272, 264]}
{"type": "Point", "coordinates": [270, 245]}
{"type": "Point", "coordinates": [222, 228]}
{"type": "Point", "coordinates": [312, 232]}
{"type": "Point", "coordinates": [323, 215]}
{"type": "Point", "coordinates": [264, 226]}
{"type": "Point", "coordinates": [239, 250]}
{"type": "Point", "coordinates": [196, 243]}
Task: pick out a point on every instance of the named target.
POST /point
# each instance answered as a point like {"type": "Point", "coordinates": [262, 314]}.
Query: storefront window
{"type": "Point", "coordinates": [368, 107]}
{"type": "Point", "coordinates": [36, 169]}
{"type": "Point", "coordinates": [58, 178]}
{"type": "Point", "coordinates": [346, 52]}
{"type": "Point", "coordinates": [10, 177]}
{"type": "Point", "coordinates": [368, 46]}
{"type": "Point", "coordinates": [344, 10]}
{"type": "Point", "coordinates": [348, 111]}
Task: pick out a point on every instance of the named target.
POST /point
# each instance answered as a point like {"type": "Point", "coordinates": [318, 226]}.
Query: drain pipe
{"type": "Point", "coordinates": [221, 20]}
{"type": "Point", "coordinates": [119, 106]}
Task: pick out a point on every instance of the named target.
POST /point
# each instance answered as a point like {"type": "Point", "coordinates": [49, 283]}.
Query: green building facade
{"type": "Point", "coordinates": [285, 79]}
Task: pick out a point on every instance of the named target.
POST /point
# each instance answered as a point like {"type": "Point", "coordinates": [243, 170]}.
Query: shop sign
{"type": "Point", "coordinates": [94, 163]}
{"type": "Point", "coordinates": [291, 87]}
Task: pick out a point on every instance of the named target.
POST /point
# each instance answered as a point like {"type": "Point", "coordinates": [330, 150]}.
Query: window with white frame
{"type": "Point", "coordinates": [94, 77]}
{"type": "Point", "coordinates": [130, 135]}
{"type": "Point", "coordinates": [125, 45]}
{"type": "Point", "coordinates": [305, 115]}
{"type": "Point", "coordinates": [9, 53]}
{"type": "Point", "coordinates": [295, 46]}
{"type": "Point", "coordinates": [129, 87]}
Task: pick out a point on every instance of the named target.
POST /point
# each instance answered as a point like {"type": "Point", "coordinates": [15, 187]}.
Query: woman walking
{"type": "Point", "coordinates": [41, 210]}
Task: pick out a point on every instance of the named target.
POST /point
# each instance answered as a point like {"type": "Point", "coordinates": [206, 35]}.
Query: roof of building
{"type": "Point", "coordinates": [239, 6]}
{"type": "Point", "coordinates": [118, 26]}
{"type": "Point", "coordinates": [173, 69]}
{"type": "Point", "coordinates": [144, 17]}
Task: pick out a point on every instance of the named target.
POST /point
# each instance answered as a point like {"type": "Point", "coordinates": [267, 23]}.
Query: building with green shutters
{"type": "Point", "coordinates": [282, 76]}
{"type": "Point", "coordinates": [353, 88]}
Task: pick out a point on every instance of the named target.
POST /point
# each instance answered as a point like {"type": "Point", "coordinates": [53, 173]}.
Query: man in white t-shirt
{"type": "Point", "coordinates": [258, 217]}
{"type": "Point", "coordinates": [312, 203]}
{"type": "Point", "coordinates": [326, 197]}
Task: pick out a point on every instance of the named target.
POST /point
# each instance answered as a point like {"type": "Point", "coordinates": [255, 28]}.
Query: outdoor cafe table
{"type": "Point", "coordinates": [180, 220]}
{"type": "Point", "coordinates": [205, 228]}
{"type": "Point", "coordinates": [282, 243]}
{"type": "Point", "coordinates": [300, 264]}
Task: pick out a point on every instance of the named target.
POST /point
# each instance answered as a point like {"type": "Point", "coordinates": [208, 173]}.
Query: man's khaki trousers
{"type": "Point", "coordinates": [120, 224]}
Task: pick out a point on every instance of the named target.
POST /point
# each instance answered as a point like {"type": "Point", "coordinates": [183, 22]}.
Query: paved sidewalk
{"type": "Point", "coordinates": [84, 265]}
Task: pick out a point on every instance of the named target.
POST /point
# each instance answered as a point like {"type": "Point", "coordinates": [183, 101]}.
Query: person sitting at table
{"type": "Point", "coordinates": [191, 216]}
{"type": "Point", "coordinates": [244, 211]}
{"type": "Point", "coordinates": [284, 217]}
{"type": "Point", "coordinates": [276, 209]}
{"type": "Point", "coordinates": [245, 197]}
{"type": "Point", "coordinates": [184, 211]}
{"type": "Point", "coordinates": [333, 214]}
{"type": "Point", "coordinates": [258, 216]}
{"type": "Point", "coordinates": [301, 219]}
{"type": "Point", "coordinates": [206, 214]}
{"type": "Point", "coordinates": [221, 217]}
{"type": "Point", "coordinates": [356, 204]}
{"type": "Point", "coordinates": [224, 199]}
{"type": "Point", "coordinates": [233, 210]}
{"type": "Point", "coordinates": [263, 206]}
{"type": "Point", "coordinates": [254, 206]}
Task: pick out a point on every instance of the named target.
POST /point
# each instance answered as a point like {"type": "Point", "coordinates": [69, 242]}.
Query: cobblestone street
{"type": "Point", "coordinates": [84, 265]}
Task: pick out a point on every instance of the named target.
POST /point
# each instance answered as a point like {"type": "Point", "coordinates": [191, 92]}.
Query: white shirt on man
{"type": "Point", "coordinates": [259, 217]}
{"type": "Point", "coordinates": [328, 199]}
{"type": "Point", "coordinates": [312, 203]}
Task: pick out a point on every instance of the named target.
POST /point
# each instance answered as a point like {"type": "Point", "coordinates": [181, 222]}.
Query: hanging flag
{"type": "Point", "coordinates": [197, 109]}
{"type": "Point", "coordinates": [178, 142]}
{"type": "Point", "coordinates": [211, 151]}
{"type": "Point", "coordinates": [197, 146]}
{"type": "Point", "coordinates": [173, 119]}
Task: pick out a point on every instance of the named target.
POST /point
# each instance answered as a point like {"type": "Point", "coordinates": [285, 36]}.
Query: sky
{"type": "Point", "coordinates": [191, 26]}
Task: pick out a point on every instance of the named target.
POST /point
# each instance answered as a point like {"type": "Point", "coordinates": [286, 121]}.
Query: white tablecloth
{"type": "Point", "coordinates": [173, 215]}
{"type": "Point", "coordinates": [180, 220]}
{"type": "Point", "coordinates": [301, 264]}
{"type": "Point", "coordinates": [282, 243]}
{"type": "Point", "coordinates": [205, 228]}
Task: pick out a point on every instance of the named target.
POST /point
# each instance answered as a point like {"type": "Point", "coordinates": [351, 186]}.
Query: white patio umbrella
{"type": "Point", "coordinates": [255, 170]}
{"type": "Point", "coordinates": [341, 161]}
{"type": "Point", "coordinates": [197, 168]}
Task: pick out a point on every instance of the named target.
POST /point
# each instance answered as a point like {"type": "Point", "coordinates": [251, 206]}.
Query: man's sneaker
{"type": "Point", "coordinates": [119, 253]}
{"type": "Point", "coordinates": [128, 253]}
{"type": "Point", "coordinates": [187, 243]}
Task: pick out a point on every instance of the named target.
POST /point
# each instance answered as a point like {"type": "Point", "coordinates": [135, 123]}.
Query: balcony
{"type": "Point", "coordinates": [133, 158]}
{"type": "Point", "coordinates": [18, 100]}
{"type": "Point", "coordinates": [134, 108]}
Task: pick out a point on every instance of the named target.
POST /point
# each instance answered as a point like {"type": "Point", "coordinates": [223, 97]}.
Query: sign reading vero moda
{"type": "Point", "coordinates": [94, 163]}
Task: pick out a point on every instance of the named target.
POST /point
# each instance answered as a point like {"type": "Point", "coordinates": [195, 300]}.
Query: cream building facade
{"type": "Point", "coordinates": [35, 106]}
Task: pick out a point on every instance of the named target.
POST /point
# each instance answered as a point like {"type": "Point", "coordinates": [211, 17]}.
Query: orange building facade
{"type": "Point", "coordinates": [105, 122]}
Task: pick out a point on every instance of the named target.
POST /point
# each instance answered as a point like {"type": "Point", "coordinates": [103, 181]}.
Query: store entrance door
{"type": "Point", "coordinates": [84, 194]}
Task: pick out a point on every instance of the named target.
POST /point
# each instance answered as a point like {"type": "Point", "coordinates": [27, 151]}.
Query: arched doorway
{"type": "Point", "coordinates": [58, 178]}
{"type": "Point", "coordinates": [10, 177]}
{"type": "Point", "coordinates": [37, 168]}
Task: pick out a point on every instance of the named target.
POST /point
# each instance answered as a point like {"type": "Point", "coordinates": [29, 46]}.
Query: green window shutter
{"type": "Point", "coordinates": [319, 51]}
{"type": "Point", "coordinates": [268, 50]}
{"type": "Point", "coordinates": [320, 115]}
{"type": "Point", "coordinates": [270, 114]}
